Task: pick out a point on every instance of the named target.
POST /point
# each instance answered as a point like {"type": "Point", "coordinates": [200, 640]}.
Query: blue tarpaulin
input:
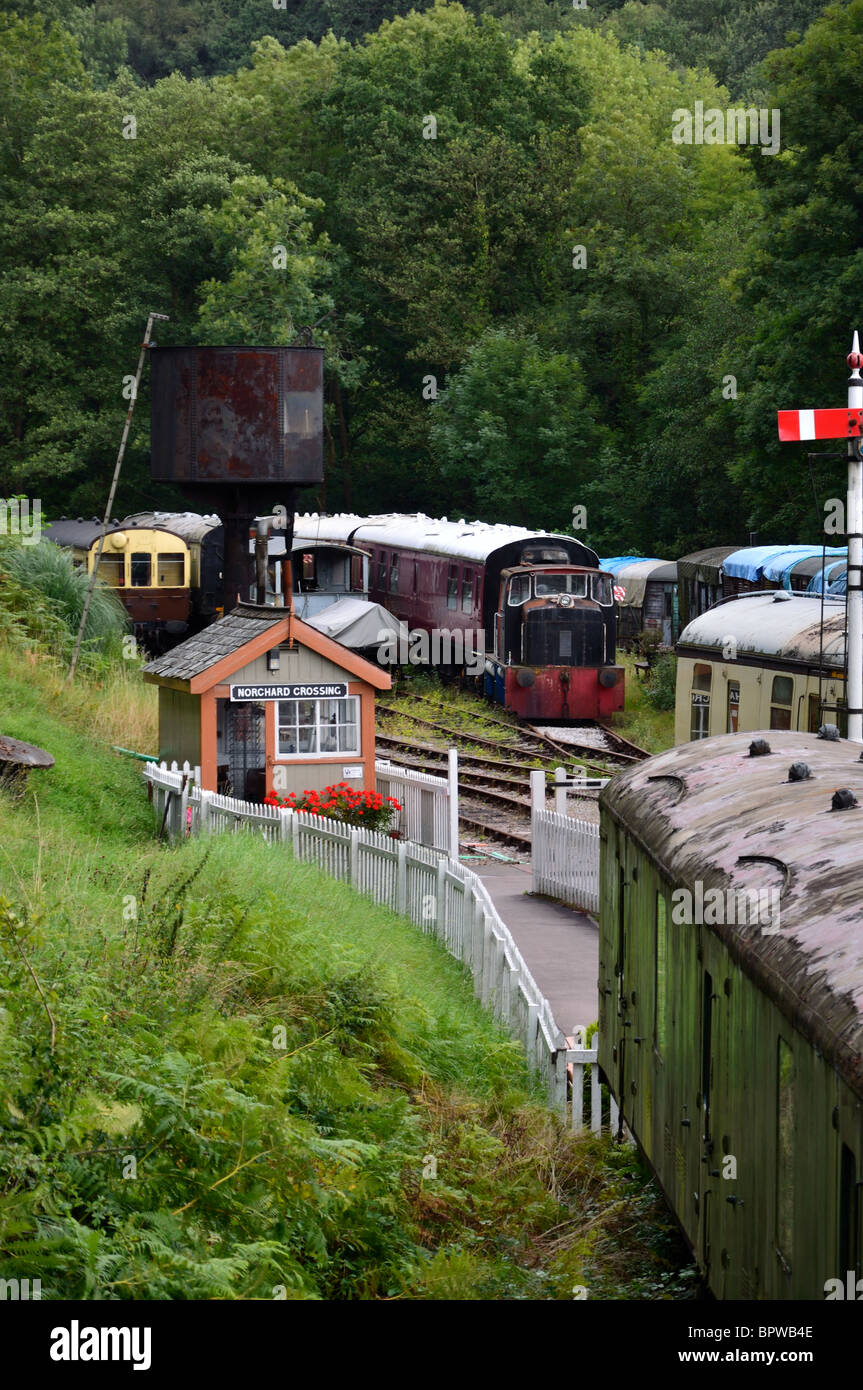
{"type": "Point", "coordinates": [778, 570]}
{"type": "Point", "coordinates": [617, 562]}
{"type": "Point", "coordinates": [750, 562]}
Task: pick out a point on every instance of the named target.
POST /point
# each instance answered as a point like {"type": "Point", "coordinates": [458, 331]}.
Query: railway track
{"type": "Point", "coordinates": [527, 737]}
{"type": "Point", "coordinates": [532, 745]}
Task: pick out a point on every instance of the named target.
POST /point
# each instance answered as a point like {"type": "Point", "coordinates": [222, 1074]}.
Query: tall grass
{"type": "Point", "coordinates": [47, 594]}
{"type": "Point", "coordinates": [225, 1075]}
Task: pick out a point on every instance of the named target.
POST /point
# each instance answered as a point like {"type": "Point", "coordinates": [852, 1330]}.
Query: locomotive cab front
{"type": "Point", "coordinates": [554, 642]}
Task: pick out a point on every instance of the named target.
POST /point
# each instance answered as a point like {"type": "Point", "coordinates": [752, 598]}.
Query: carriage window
{"type": "Point", "coordinates": [659, 974]}
{"type": "Point", "coordinates": [467, 592]}
{"type": "Point", "coordinates": [416, 576]}
{"type": "Point", "coordinates": [602, 589]}
{"type": "Point", "coordinates": [171, 569]}
{"type": "Point", "coordinates": [780, 702]}
{"type": "Point", "coordinates": [535, 555]}
{"type": "Point", "coordinates": [308, 568]}
{"type": "Point", "coordinates": [733, 707]}
{"type": "Point", "coordinates": [785, 1150]}
{"type": "Point", "coordinates": [452, 587]}
{"type": "Point", "coordinates": [561, 584]}
{"type": "Point", "coordinates": [700, 699]}
{"type": "Point", "coordinates": [356, 572]}
{"type": "Point", "coordinates": [112, 570]}
{"type": "Point", "coordinates": [311, 727]}
{"type": "Point", "coordinates": [394, 574]}
{"type": "Point", "coordinates": [382, 570]}
{"type": "Point", "coordinates": [139, 567]}
{"type": "Point", "coordinates": [814, 714]}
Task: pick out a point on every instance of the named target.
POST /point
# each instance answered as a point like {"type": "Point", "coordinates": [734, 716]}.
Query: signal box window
{"type": "Point", "coordinates": [452, 587]}
{"type": "Point", "coordinates": [318, 727]}
{"type": "Point", "coordinates": [781, 700]}
{"type": "Point", "coordinates": [519, 590]}
{"type": "Point", "coordinates": [700, 698]}
{"type": "Point", "coordinates": [467, 592]}
{"type": "Point", "coordinates": [733, 707]}
{"type": "Point", "coordinates": [112, 570]}
{"type": "Point", "coordinates": [171, 570]}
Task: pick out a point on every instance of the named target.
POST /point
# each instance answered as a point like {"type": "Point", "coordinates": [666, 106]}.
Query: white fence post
{"type": "Point", "coordinates": [452, 779]}
{"type": "Point", "coordinates": [537, 804]}
{"type": "Point", "coordinates": [559, 791]}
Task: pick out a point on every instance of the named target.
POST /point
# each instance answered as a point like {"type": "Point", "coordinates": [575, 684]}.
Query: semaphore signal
{"type": "Point", "coordinates": [847, 424]}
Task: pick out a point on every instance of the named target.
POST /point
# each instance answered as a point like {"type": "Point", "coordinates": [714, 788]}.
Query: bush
{"type": "Point", "coordinates": [661, 686]}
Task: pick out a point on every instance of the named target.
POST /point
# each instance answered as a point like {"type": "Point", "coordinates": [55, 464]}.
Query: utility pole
{"type": "Point", "coordinates": [107, 518]}
{"type": "Point", "coordinates": [795, 425]}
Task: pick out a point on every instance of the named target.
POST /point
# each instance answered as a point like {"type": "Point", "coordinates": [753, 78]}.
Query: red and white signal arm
{"type": "Point", "coordinates": [819, 424]}
{"type": "Point", "coordinates": [619, 593]}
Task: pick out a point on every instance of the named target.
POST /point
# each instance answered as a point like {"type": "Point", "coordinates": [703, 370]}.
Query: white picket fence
{"type": "Point", "coordinates": [439, 895]}
{"type": "Point", "coordinates": [429, 804]}
{"type": "Point", "coordinates": [564, 852]}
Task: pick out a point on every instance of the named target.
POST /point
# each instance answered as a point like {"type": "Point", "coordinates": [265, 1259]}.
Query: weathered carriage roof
{"type": "Point", "coordinates": [709, 811]}
{"type": "Point", "coordinates": [464, 540]}
{"type": "Point", "coordinates": [78, 532]}
{"type": "Point", "coordinates": [776, 624]}
{"type": "Point", "coordinates": [704, 565]}
{"type": "Point", "coordinates": [190, 526]}
{"type": "Point", "coordinates": [215, 642]}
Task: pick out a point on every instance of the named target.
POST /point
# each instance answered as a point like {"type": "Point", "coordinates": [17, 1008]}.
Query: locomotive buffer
{"type": "Point", "coordinates": [847, 424]}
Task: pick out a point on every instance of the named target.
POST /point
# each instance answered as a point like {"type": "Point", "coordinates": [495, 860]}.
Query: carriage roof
{"type": "Point", "coordinates": [464, 540]}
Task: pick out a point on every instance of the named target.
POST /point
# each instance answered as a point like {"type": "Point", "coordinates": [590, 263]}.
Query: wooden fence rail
{"type": "Point", "coordinates": [440, 896]}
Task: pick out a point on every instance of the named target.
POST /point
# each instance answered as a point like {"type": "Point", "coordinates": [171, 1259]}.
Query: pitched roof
{"type": "Point", "coordinates": [247, 632]}
{"type": "Point", "coordinates": [215, 642]}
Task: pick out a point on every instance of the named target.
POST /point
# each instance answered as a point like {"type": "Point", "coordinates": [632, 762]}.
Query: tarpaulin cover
{"type": "Point", "coordinates": [778, 569]}
{"type": "Point", "coordinates": [833, 569]}
{"type": "Point", "coordinates": [356, 623]}
{"type": "Point", "coordinates": [749, 563]}
{"type": "Point", "coordinates": [632, 572]}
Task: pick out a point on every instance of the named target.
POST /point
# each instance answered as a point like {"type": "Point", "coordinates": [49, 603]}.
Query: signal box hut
{"type": "Point", "coordinates": [263, 702]}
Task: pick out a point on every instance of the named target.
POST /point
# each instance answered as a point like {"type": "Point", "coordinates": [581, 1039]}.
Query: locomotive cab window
{"type": "Point", "coordinates": [139, 570]}
{"type": "Point", "coordinates": [519, 590]}
{"type": "Point", "coordinates": [781, 699]}
{"type": "Point", "coordinates": [171, 570]}
{"type": "Point", "coordinates": [112, 570]}
{"type": "Point", "coordinates": [318, 727]}
{"type": "Point", "coordinates": [700, 697]}
{"type": "Point", "coordinates": [561, 584]}
{"type": "Point", "coordinates": [602, 589]}
{"type": "Point", "coordinates": [452, 587]}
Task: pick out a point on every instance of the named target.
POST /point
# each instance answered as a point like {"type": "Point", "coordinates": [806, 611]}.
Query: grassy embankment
{"type": "Point", "coordinates": [224, 1075]}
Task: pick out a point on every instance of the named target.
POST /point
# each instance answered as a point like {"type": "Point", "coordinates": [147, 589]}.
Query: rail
{"type": "Point", "coordinates": [439, 895]}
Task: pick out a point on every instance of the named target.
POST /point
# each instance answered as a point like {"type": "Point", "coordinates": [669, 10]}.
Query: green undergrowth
{"type": "Point", "coordinates": [641, 722]}
{"type": "Point", "coordinates": [226, 1075]}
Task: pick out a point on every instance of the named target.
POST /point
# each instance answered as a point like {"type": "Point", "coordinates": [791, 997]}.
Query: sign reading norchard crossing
{"type": "Point", "coordinates": [334, 690]}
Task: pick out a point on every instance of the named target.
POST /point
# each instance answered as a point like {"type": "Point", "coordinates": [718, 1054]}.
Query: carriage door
{"type": "Point", "coordinates": [620, 972]}
{"type": "Point", "coordinates": [850, 1253]}
{"type": "Point", "coordinates": [705, 1194]}
{"type": "Point", "coordinates": [242, 750]}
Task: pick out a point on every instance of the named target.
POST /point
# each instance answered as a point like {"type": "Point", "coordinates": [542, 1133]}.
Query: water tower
{"type": "Point", "coordinates": [239, 430]}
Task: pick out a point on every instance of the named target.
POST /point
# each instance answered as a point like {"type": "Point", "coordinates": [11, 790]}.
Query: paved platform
{"type": "Point", "coordinates": [560, 946]}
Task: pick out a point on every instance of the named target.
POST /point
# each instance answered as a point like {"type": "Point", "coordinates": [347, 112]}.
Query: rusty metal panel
{"type": "Point", "coordinates": [234, 415]}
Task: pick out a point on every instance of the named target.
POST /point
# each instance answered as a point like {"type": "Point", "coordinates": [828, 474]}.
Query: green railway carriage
{"type": "Point", "coordinates": [735, 1047]}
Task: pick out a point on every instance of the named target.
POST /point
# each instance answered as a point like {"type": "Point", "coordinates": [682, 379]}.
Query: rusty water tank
{"type": "Point", "coordinates": [237, 415]}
